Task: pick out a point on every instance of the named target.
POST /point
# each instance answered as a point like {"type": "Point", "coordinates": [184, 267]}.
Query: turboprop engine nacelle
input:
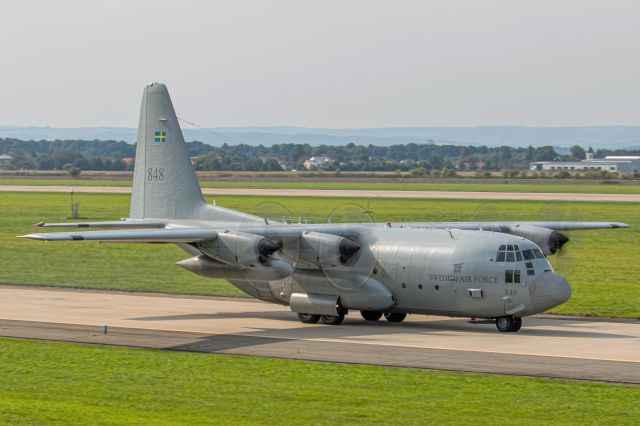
{"type": "Point", "coordinates": [548, 240]}
{"type": "Point", "coordinates": [326, 249]}
{"type": "Point", "coordinates": [239, 249]}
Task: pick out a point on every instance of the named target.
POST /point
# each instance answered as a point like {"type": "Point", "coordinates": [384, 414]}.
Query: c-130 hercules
{"type": "Point", "coordinates": [493, 270]}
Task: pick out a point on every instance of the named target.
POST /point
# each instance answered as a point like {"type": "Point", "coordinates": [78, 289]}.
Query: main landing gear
{"type": "Point", "coordinates": [327, 319]}
{"type": "Point", "coordinates": [337, 319]}
{"type": "Point", "coordinates": [389, 316]}
{"type": "Point", "coordinates": [371, 315]}
{"type": "Point", "coordinates": [508, 324]}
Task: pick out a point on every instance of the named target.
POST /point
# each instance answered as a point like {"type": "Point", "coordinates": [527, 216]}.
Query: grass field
{"type": "Point", "coordinates": [602, 266]}
{"type": "Point", "coordinates": [400, 185]}
{"type": "Point", "coordinates": [63, 383]}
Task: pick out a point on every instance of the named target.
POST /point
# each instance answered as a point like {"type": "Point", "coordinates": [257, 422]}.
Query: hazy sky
{"type": "Point", "coordinates": [323, 63]}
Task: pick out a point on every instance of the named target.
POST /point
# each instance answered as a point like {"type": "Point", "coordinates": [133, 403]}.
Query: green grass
{"type": "Point", "coordinates": [538, 186]}
{"type": "Point", "coordinates": [61, 383]}
{"type": "Point", "coordinates": [601, 265]}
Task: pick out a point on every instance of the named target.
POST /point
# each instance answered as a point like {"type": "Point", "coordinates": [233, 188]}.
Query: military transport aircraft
{"type": "Point", "coordinates": [493, 270]}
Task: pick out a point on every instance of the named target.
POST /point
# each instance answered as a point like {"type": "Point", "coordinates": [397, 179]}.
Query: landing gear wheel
{"type": "Point", "coordinates": [332, 319]}
{"type": "Point", "coordinates": [508, 324]}
{"type": "Point", "coordinates": [371, 315]}
{"type": "Point", "coordinates": [395, 316]}
{"type": "Point", "coordinates": [517, 323]}
{"type": "Point", "coordinates": [308, 318]}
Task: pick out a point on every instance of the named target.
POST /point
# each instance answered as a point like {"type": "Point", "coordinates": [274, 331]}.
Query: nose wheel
{"type": "Point", "coordinates": [508, 324]}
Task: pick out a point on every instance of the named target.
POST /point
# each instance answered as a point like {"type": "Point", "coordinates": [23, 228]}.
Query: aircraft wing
{"type": "Point", "coordinates": [488, 226]}
{"type": "Point", "coordinates": [188, 235]}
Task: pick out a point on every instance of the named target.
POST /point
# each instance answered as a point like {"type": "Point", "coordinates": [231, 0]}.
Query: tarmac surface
{"type": "Point", "coordinates": [353, 193]}
{"type": "Point", "coordinates": [562, 347]}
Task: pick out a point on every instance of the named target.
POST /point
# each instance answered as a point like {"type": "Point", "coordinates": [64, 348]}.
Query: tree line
{"type": "Point", "coordinates": [118, 155]}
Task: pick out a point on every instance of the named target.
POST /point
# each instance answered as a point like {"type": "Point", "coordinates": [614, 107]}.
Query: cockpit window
{"type": "Point", "coordinates": [510, 253]}
{"type": "Point", "coordinates": [538, 254]}
{"type": "Point", "coordinates": [532, 254]}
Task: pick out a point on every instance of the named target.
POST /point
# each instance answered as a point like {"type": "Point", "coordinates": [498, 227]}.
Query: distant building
{"type": "Point", "coordinates": [128, 160]}
{"type": "Point", "coordinates": [5, 159]}
{"type": "Point", "coordinates": [611, 163]}
{"type": "Point", "coordinates": [317, 162]}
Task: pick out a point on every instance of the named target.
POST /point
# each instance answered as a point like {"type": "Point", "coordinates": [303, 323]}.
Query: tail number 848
{"type": "Point", "coordinates": [155, 174]}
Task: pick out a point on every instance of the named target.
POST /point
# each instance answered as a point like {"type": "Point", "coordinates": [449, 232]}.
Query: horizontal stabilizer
{"type": "Point", "coordinates": [131, 236]}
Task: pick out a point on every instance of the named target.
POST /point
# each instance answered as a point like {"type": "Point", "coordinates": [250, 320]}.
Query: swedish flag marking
{"type": "Point", "coordinates": [160, 137]}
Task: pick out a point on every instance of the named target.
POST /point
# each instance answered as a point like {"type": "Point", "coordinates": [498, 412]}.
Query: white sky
{"type": "Point", "coordinates": [323, 63]}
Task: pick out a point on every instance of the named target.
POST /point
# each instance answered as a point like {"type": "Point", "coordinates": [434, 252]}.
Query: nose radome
{"type": "Point", "coordinates": [549, 290]}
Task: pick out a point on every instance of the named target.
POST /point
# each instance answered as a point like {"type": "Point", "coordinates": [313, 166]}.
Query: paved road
{"type": "Point", "coordinates": [354, 193]}
{"type": "Point", "coordinates": [576, 348]}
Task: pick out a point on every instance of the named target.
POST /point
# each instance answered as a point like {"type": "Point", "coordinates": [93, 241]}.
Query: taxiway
{"type": "Point", "coordinates": [573, 348]}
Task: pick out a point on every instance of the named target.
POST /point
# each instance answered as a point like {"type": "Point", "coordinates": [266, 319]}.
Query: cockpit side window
{"type": "Point", "coordinates": [538, 254]}
{"type": "Point", "coordinates": [528, 254]}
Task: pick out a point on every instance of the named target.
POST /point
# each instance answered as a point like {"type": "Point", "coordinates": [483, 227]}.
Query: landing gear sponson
{"type": "Point", "coordinates": [338, 319]}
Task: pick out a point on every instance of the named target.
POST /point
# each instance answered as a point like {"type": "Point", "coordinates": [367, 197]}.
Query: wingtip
{"type": "Point", "coordinates": [31, 237]}
{"type": "Point", "coordinates": [619, 225]}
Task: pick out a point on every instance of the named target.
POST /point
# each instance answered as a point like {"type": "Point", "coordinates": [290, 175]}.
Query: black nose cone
{"type": "Point", "coordinates": [347, 248]}
{"type": "Point", "coordinates": [267, 247]}
{"type": "Point", "coordinates": [557, 241]}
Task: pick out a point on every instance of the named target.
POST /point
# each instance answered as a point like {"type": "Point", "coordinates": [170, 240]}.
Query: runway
{"type": "Point", "coordinates": [573, 348]}
{"type": "Point", "coordinates": [453, 195]}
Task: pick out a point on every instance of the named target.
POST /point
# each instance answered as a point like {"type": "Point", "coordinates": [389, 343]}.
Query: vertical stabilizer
{"type": "Point", "coordinates": [164, 182]}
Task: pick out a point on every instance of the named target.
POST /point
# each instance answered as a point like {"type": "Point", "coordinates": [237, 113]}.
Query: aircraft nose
{"type": "Point", "coordinates": [549, 290]}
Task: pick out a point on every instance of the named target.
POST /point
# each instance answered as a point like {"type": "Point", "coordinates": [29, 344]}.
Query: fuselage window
{"type": "Point", "coordinates": [512, 276]}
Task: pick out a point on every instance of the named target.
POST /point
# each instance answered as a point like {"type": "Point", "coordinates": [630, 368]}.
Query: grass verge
{"type": "Point", "coordinates": [63, 383]}
{"type": "Point", "coordinates": [536, 186]}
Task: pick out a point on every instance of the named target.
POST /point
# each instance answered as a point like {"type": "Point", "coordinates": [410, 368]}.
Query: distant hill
{"type": "Point", "coordinates": [611, 137]}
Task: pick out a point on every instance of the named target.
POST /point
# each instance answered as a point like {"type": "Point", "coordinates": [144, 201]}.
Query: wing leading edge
{"type": "Point", "coordinates": [555, 226]}
{"type": "Point", "coordinates": [190, 235]}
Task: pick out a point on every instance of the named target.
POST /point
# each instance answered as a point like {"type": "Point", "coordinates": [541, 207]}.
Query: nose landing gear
{"type": "Point", "coordinates": [508, 324]}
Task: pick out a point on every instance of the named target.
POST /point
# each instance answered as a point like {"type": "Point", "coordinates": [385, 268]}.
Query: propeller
{"type": "Point", "coordinates": [347, 249]}
{"type": "Point", "coordinates": [557, 240]}
{"type": "Point", "coordinates": [563, 259]}
{"type": "Point", "coordinates": [266, 248]}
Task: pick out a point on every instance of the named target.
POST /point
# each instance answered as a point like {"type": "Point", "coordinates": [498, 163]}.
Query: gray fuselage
{"type": "Point", "coordinates": [456, 273]}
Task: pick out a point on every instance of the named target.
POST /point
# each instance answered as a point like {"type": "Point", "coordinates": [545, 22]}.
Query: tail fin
{"type": "Point", "coordinates": [164, 182]}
